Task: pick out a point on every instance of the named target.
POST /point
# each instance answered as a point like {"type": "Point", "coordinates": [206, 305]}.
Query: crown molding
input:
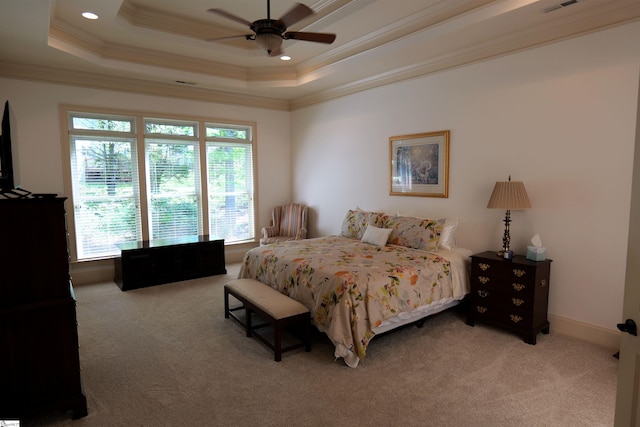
{"type": "Point", "coordinates": [68, 39]}
{"type": "Point", "coordinates": [130, 85]}
{"type": "Point", "coordinates": [500, 46]}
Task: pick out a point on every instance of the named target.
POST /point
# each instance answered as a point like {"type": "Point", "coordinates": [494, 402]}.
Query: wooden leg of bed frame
{"type": "Point", "coordinates": [420, 323]}
{"type": "Point", "coordinates": [307, 336]}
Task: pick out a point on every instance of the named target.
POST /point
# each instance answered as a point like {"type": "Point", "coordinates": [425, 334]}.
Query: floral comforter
{"type": "Point", "coordinates": [352, 287]}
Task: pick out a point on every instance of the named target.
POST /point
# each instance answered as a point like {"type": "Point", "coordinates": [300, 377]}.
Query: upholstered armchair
{"type": "Point", "coordinates": [288, 223]}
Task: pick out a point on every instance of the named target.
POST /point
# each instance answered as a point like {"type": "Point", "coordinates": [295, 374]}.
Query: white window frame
{"type": "Point", "coordinates": [138, 133]}
{"type": "Point", "coordinates": [248, 141]}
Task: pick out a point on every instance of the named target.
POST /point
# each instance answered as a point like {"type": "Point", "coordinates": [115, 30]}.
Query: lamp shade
{"type": "Point", "coordinates": [509, 195]}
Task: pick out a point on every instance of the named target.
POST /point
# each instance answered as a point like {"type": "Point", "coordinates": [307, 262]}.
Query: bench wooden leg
{"type": "Point", "coordinates": [277, 340]}
{"type": "Point", "coordinates": [247, 320]}
{"type": "Point", "coordinates": [226, 303]}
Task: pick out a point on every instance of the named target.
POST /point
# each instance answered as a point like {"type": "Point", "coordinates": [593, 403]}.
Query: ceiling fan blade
{"type": "Point", "coordinates": [298, 12]}
{"type": "Point", "coordinates": [310, 37]}
{"type": "Point", "coordinates": [231, 16]}
{"type": "Point", "coordinates": [246, 36]}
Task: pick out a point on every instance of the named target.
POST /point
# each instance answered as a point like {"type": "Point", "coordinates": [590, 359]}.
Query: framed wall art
{"type": "Point", "coordinates": [420, 164]}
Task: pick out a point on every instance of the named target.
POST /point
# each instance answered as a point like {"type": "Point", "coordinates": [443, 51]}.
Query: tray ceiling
{"type": "Point", "coordinates": [160, 46]}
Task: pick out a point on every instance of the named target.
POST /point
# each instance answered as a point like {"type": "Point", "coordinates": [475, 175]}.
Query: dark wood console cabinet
{"type": "Point", "coordinates": [159, 261]}
{"type": "Point", "coordinates": [39, 358]}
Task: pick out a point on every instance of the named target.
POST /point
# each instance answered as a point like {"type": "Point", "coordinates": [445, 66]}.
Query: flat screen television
{"type": "Point", "coordinates": [6, 159]}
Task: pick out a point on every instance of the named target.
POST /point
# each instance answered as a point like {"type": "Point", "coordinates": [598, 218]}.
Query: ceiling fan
{"type": "Point", "coordinates": [269, 33]}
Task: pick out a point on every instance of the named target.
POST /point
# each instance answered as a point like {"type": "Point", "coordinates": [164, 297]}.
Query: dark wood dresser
{"type": "Point", "coordinates": [39, 358]}
{"type": "Point", "coordinates": [511, 294]}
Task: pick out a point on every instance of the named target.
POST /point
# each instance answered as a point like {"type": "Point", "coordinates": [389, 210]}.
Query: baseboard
{"type": "Point", "coordinates": [234, 253]}
{"type": "Point", "coordinates": [594, 334]}
{"type": "Point", "coordinates": [83, 273]}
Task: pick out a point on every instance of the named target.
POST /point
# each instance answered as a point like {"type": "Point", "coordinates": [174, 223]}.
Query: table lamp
{"type": "Point", "coordinates": [508, 195]}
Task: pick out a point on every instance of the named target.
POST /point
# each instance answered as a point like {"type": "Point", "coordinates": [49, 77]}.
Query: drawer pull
{"type": "Point", "coordinates": [519, 273]}
{"type": "Point", "coordinates": [483, 294]}
{"type": "Point", "coordinates": [543, 283]}
{"type": "Point", "coordinates": [483, 266]}
{"type": "Point", "coordinates": [517, 301]}
{"type": "Point", "coordinates": [518, 286]}
{"type": "Point", "coordinates": [481, 309]}
{"type": "Point", "coordinates": [484, 280]}
{"type": "Point", "coordinates": [515, 318]}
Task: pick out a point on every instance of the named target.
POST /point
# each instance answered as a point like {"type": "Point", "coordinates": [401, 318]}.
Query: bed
{"type": "Point", "coordinates": [380, 273]}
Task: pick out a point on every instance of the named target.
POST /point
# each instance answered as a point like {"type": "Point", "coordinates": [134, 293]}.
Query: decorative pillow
{"type": "Point", "coordinates": [416, 233]}
{"type": "Point", "coordinates": [376, 236]}
{"type": "Point", "coordinates": [447, 236]}
{"type": "Point", "coordinates": [356, 221]}
{"type": "Point", "coordinates": [379, 219]}
{"type": "Point", "coordinates": [354, 224]}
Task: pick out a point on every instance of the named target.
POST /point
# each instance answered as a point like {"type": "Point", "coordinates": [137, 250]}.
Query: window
{"type": "Point", "coordinates": [173, 174]}
{"type": "Point", "coordinates": [142, 178]}
{"type": "Point", "coordinates": [104, 184]}
{"type": "Point", "coordinates": [230, 182]}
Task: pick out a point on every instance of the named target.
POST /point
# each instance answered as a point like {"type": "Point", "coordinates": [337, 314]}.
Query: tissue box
{"type": "Point", "coordinates": [535, 253]}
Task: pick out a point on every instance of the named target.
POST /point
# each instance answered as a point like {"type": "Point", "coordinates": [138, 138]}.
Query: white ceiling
{"type": "Point", "coordinates": [149, 46]}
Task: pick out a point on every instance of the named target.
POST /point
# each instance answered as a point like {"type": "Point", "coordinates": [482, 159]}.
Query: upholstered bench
{"type": "Point", "coordinates": [279, 309]}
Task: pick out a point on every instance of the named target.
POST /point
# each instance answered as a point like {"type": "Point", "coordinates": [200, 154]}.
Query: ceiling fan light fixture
{"type": "Point", "coordinates": [269, 33]}
{"type": "Point", "coordinates": [269, 41]}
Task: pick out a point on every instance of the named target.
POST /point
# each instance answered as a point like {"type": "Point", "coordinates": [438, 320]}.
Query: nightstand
{"type": "Point", "coordinates": [511, 294]}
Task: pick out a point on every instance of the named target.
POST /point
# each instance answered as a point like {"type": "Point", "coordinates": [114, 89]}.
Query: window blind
{"type": "Point", "coordinates": [105, 194]}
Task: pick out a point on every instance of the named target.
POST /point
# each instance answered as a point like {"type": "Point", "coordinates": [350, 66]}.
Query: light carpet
{"type": "Point", "coordinates": [166, 356]}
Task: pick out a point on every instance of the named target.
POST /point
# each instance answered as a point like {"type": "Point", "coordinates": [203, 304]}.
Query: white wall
{"type": "Point", "coordinates": [36, 133]}
{"type": "Point", "coordinates": [561, 118]}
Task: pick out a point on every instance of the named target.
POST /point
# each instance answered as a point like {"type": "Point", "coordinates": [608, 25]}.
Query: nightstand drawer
{"type": "Point", "coordinates": [508, 318]}
{"type": "Point", "coordinates": [502, 269]}
{"type": "Point", "coordinates": [506, 300]}
{"type": "Point", "coordinates": [491, 283]}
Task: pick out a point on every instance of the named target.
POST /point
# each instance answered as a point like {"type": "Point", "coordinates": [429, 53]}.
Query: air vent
{"type": "Point", "coordinates": [561, 5]}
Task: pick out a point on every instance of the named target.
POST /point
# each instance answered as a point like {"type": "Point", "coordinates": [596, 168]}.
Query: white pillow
{"type": "Point", "coordinates": [448, 234]}
{"type": "Point", "coordinates": [375, 235]}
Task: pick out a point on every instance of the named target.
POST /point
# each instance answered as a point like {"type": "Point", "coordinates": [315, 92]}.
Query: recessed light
{"type": "Point", "coordinates": [285, 58]}
{"type": "Point", "coordinates": [89, 15]}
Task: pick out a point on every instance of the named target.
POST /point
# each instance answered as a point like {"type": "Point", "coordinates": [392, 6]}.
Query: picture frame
{"type": "Point", "coordinates": [419, 164]}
